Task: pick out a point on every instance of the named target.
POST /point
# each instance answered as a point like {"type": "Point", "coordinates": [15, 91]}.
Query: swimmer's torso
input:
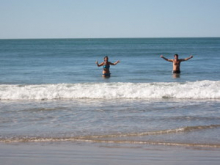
{"type": "Point", "coordinates": [106, 67]}
{"type": "Point", "coordinates": [176, 65]}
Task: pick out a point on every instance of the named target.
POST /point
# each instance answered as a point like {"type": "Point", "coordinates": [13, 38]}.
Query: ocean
{"type": "Point", "coordinates": [52, 91]}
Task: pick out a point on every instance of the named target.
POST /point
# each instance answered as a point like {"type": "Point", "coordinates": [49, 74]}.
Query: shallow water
{"type": "Point", "coordinates": [166, 122]}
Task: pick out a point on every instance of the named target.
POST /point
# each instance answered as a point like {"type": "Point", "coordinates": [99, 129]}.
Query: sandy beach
{"type": "Point", "coordinates": [98, 154]}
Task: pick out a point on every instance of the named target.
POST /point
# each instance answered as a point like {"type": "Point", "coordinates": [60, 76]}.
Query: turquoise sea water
{"type": "Point", "coordinates": [52, 90]}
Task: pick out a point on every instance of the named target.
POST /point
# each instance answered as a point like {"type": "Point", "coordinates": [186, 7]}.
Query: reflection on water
{"type": "Point", "coordinates": [176, 75]}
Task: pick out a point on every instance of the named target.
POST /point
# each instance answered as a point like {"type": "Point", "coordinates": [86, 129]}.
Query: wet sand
{"type": "Point", "coordinates": [98, 154]}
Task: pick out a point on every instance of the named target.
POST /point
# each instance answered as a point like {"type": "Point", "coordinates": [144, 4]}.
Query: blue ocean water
{"type": "Point", "coordinates": [73, 60]}
{"type": "Point", "coordinates": [52, 90]}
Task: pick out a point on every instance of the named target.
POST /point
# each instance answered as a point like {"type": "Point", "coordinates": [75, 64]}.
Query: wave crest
{"type": "Point", "coordinates": [159, 90]}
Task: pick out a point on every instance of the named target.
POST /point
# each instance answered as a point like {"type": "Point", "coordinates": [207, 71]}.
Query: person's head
{"type": "Point", "coordinates": [176, 56]}
{"type": "Point", "coordinates": [106, 58]}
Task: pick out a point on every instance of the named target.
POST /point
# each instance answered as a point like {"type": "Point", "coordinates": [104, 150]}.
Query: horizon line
{"type": "Point", "coordinates": [99, 38]}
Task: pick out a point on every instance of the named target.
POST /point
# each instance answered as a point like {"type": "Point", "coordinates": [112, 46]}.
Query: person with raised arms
{"type": "Point", "coordinates": [176, 62]}
{"type": "Point", "coordinates": [106, 65]}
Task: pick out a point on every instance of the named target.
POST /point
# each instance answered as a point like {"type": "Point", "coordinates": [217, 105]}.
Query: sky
{"type": "Point", "coordinates": [109, 18]}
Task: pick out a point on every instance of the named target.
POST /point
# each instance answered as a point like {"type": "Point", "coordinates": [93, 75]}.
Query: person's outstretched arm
{"type": "Point", "coordinates": [115, 63]}
{"type": "Point", "coordinates": [166, 58]}
{"type": "Point", "coordinates": [99, 64]}
{"type": "Point", "coordinates": [187, 58]}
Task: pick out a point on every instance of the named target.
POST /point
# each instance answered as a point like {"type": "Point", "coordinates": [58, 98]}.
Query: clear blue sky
{"type": "Point", "coordinates": [109, 18]}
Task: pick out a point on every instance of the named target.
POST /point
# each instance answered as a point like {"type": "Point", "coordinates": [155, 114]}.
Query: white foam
{"type": "Point", "coordinates": [188, 90]}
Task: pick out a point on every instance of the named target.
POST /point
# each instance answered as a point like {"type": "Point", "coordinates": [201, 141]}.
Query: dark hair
{"type": "Point", "coordinates": [106, 57]}
{"type": "Point", "coordinates": [176, 55]}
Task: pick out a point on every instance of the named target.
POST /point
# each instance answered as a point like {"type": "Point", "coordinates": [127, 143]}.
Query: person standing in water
{"type": "Point", "coordinates": [106, 65]}
{"type": "Point", "coordinates": [176, 62]}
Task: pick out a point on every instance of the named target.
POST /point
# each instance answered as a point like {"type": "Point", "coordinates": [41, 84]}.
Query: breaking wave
{"type": "Point", "coordinates": [158, 90]}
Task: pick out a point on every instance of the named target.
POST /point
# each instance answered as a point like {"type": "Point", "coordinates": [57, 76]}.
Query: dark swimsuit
{"type": "Point", "coordinates": [106, 74]}
{"type": "Point", "coordinates": [106, 67]}
{"type": "Point", "coordinates": [176, 71]}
